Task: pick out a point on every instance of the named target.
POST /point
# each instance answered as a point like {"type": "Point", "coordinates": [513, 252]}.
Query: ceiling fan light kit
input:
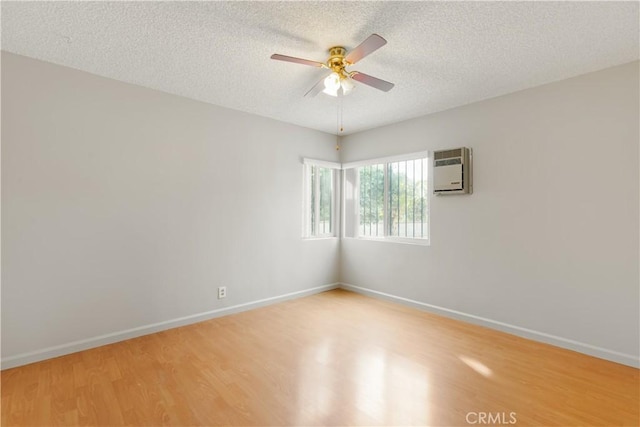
{"type": "Point", "coordinates": [336, 84]}
{"type": "Point", "coordinates": [340, 81]}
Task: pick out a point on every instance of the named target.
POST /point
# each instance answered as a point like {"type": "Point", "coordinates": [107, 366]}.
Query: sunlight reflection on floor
{"type": "Point", "coordinates": [316, 401]}
{"type": "Point", "coordinates": [377, 387]}
{"type": "Point", "coordinates": [389, 386]}
{"type": "Point", "coordinates": [477, 366]}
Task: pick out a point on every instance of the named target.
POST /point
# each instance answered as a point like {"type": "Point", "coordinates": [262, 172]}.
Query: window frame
{"type": "Point", "coordinates": [307, 224]}
{"type": "Point", "coordinates": [386, 161]}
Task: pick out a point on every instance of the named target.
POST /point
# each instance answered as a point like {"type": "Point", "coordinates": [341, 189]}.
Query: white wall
{"type": "Point", "coordinates": [549, 239]}
{"type": "Point", "coordinates": [124, 207]}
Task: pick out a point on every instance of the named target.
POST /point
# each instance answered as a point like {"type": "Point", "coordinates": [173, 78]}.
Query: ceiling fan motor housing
{"type": "Point", "coordinates": [336, 60]}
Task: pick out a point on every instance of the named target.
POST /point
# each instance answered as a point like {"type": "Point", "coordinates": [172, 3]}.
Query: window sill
{"type": "Point", "coordinates": [321, 238]}
{"type": "Point", "coordinates": [403, 241]}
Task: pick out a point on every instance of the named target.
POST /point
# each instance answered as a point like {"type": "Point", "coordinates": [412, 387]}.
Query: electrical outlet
{"type": "Point", "coordinates": [222, 292]}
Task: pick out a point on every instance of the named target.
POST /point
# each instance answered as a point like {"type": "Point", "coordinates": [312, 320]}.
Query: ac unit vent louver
{"type": "Point", "coordinates": [445, 154]}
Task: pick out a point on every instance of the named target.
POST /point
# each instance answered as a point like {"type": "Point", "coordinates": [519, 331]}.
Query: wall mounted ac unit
{"type": "Point", "coordinates": [452, 171]}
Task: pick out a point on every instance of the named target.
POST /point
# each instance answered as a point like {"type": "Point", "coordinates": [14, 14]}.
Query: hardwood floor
{"type": "Point", "coordinates": [335, 358]}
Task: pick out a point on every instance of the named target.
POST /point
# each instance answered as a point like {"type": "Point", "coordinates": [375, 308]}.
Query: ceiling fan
{"type": "Point", "coordinates": [339, 82]}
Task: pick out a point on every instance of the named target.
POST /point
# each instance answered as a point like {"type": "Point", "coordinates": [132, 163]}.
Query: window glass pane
{"type": "Point", "coordinates": [394, 199]}
{"type": "Point", "coordinates": [371, 201]}
{"type": "Point", "coordinates": [326, 201]}
{"type": "Point", "coordinates": [422, 209]}
{"type": "Point", "coordinates": [407, 203]}
{"type": "Point", "coordinates": [319, 205]}
{"type": "Point", "coordinates": [312, 200]}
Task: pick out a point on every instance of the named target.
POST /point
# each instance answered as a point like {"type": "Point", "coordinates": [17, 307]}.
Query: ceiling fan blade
{"type": "Point", "coordinates": [371, 44]}
{"type": "Point", "coordinates": [286, 58]}
{"type": "Point", "coordinates": [372, 81]}
{"type": "Point", "coordinates": [316, 89]}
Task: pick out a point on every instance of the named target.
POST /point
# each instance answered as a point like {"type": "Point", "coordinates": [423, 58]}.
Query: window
{"type": "Point", "coordinates": [320, 207]}
{"type": "Point", "coordinates": [388, 199]}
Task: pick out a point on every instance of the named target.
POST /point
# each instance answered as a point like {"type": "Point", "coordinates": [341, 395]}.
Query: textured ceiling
{"type": "Point", "coordinates": [439, 54]}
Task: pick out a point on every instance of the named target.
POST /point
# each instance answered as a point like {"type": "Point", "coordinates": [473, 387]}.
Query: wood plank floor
{"type": "Point", "coordinates": [335, 358]}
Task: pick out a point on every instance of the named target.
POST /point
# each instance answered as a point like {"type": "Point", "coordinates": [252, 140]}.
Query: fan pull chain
{"type": "Point", "coordinates": [339, 123]}
{"type": "Point", "coordinates": [341, 114]}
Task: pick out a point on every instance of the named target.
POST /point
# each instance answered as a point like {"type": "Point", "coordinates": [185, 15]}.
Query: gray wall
{"type": "Point", "coordinates": [124, 207]}
{"type": "Point", "coordinates": [549, 239]}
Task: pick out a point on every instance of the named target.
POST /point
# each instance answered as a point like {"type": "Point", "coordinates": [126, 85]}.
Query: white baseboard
{"type": "Point", "coordinates": [75, 346]}
{"type": "Point", "coordinates": [591, 350]}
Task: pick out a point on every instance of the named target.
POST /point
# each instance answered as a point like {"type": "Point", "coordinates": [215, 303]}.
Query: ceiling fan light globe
{"type": "Point", "coordinates": [330, 92]}
{"type": "Point", "coordinates": [347, 86]}
{"type": "Point", "coordinates": [332, 82]}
